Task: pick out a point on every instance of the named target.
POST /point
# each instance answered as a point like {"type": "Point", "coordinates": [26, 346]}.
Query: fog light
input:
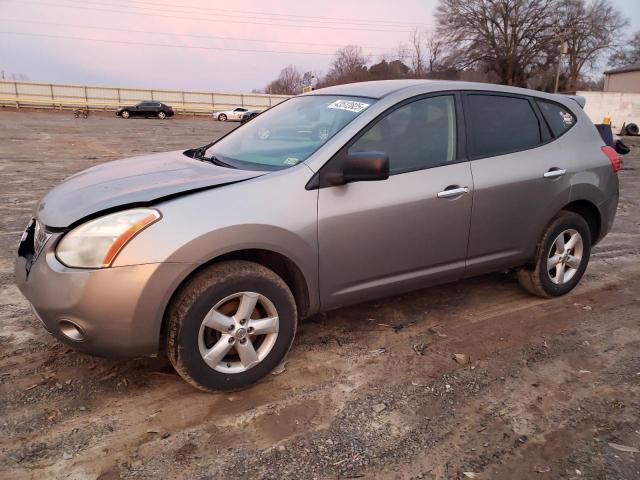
{"type": "Point", "coordinates": [71, 330]}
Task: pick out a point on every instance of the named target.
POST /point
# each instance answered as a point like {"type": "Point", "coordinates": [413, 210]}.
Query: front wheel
{"type": "Point", "coordinates": [561, 258]}
{"type": "Point", "coordinates": [125, 114]}
{"type": "Point", "coordinates": [230, 325]}
{"type": "Point", "coordinates": [162, 115]}
{"type": "Point", "coordinates": [222, 117]}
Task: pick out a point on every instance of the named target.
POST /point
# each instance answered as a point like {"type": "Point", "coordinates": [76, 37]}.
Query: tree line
{"type": "Point", "coordinates": [512, 42]}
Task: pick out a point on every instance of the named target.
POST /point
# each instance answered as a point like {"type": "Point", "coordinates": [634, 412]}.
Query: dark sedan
{"type": "Point", "coordinates": [146, 109]}
{"type": "Point", "coordinates": [249, 115]}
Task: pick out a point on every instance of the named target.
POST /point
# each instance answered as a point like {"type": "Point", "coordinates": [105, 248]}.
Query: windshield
{"type": "Point", "coordinates": [288, 133]}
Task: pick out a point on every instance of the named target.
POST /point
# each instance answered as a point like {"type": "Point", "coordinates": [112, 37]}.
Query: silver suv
{"type": "Point", "coordinates": [212, 255]}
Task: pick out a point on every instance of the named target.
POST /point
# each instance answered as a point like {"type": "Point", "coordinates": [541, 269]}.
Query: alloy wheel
{"type": "Point", "coordinates": [565, 256]}
{"type": "Point", "coordinates": [238, 332]}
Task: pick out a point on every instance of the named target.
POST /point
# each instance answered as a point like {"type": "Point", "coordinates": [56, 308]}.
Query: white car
{"type": "Point", "coordinates": [235, 114]}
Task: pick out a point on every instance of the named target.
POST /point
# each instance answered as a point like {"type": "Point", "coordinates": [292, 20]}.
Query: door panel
{"type": "Point", "coordinates": [512, 204]}
{"type": "Point", "coordinates": [515, 194]}
{"type": "Point", "coordinates": [385, 237]}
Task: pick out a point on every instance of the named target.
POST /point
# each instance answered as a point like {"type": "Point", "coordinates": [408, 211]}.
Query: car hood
{"type": "Point", "coordinates": [131, 182]}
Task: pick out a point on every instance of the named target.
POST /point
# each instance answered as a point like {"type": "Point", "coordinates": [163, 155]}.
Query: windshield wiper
{"type": "Point", "coordinates": [199, 154]}
{"type": "Point", "coordinates": [216, 161]}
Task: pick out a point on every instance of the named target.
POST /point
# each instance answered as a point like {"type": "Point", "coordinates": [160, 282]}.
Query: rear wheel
{"type": "Point", "coordinates": [230, 326]}
{"type": "Point", "coordinates": [561, 258]}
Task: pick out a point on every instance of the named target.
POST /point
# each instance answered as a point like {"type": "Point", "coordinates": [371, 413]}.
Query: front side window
{"type": "Point", "coordinates": [558, 118]}
{"type": "Point", "coordinates": [421, 134]}
{"type": "Point", "coordinates": [288, 133]}
{"type": "Point", "coordinates": [500, 124]}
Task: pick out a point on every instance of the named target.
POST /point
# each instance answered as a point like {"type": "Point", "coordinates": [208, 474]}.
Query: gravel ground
{"type": "Point", "coordinates": [546, 389]}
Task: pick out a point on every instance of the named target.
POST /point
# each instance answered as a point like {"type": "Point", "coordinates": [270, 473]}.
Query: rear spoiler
{"type": "Point", "coordinates": [578, 99]}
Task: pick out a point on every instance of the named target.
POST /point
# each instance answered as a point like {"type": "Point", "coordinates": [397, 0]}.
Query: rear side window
{"type": "Point", "coordinates": [421, 134]}
{"type": "Point", "coordinates": [499, 125]}
{"type": "Point", "coordinates": [558, 118]}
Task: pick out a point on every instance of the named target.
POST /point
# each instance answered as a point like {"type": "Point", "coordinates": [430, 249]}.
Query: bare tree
{"type": "Point", "coordinates": [348, 65]}
{"type": "Point", "coordinates": [588, 30]}
{"type": "Point", "coordinates": [507, 37]}
{"type": "Point", "coordinates": [435, 52]}
{"type": "Point", "coordinates": [417, 53]}
{"type": "Point", "coordinates": [627, 55]}
{"type": "Point", "coordinates": [289, 82]}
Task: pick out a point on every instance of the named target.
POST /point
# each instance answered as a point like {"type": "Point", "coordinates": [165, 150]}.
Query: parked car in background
{"type": "Point", "coordinates": [249, 114]}
{"type": "Point", "coordinates": [234, 114]}
{"type": "Point", "coordinates": [214, 254]}
{"type": "Point", "coordinates": [146, 109]}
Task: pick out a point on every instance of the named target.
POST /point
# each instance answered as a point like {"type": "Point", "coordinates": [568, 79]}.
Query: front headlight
{"type": "Point", "coordinates": [96, 243]}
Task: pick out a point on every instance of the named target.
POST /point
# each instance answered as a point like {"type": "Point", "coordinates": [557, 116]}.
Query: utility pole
{"type": "Point", "coordinates": [563, 51]}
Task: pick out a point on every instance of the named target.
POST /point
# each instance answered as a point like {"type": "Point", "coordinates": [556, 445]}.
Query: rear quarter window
{"type": "Point", "coordinates": [558, 118]}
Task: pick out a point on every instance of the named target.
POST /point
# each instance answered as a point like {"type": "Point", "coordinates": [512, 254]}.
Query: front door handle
{"type": "Point", "coordinates": [453, 191]}
{"type": "Point", "coordinates": [554, 172]}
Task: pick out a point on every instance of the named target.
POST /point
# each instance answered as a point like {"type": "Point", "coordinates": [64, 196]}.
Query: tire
{"type": "Point", "coordinates": [550, 275]}
{"type": "Point", "coordinates": [162, 115]}
{"type": "Point", "coordinates": [125, 114]}
{"type": "Point", "coordinates": [222, 117]}
{"type": "Point", "coordinates": [224, 287]}
{"type": "Point", "coordinates": [632, 129]}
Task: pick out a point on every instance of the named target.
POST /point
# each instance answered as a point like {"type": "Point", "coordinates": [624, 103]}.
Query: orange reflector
{"type": "Point", "coordinates": [125, 237]}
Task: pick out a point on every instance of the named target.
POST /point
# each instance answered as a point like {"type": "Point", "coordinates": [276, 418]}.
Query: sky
{"type": "Point", "coordinates": [152, 43]}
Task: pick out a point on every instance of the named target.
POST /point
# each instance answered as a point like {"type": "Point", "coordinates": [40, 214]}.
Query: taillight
{"type": "Point", "coordinates": [613, 157]}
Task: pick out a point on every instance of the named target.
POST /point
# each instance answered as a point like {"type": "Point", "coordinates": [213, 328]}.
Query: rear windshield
{"type": "Point", "coordinates": [288, 133]}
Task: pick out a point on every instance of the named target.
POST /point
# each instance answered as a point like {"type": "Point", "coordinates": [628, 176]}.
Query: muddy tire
{"type": "Point", "coordinates": [230, 325]}
{"type": "Point", "coordinates": [561, 258]}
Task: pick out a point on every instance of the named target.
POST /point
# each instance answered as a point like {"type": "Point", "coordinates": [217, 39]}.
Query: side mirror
{"type": "Point", "coordinates": [365, 167]}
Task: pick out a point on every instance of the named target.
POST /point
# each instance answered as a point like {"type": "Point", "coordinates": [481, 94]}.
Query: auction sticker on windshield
{"type": "Point", "coordinates": [348, 105]}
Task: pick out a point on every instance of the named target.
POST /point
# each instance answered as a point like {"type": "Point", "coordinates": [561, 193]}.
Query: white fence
{"type": "Point", "coordinates": [52, 95]}
{"type": "Point", "coordinates": [620, 107]}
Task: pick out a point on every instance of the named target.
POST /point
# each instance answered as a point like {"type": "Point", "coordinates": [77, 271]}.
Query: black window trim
{"type": "Point", "coordinates": [460, 154]}
{"type": "Point", "coordinates": [563, 107]}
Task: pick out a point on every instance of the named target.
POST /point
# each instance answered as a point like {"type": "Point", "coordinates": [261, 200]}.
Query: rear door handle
{"type": "Point", "coordinates": [554, 173]}
{"type": "Point", "coordinates": [450, 192]}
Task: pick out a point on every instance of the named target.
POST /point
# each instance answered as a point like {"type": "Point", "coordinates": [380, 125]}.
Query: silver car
{"type": "Point", "coordinates": [213, 255]}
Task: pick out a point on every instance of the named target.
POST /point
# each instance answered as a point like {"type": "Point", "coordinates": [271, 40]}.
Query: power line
{"type": "Point", "coordinates": [173, 17]}
{"type": "Point", "coordinates": [149, 44]}
{"type": "Point", "coordinates": [299, 17]}
{"type": "Point", "coordinates": [243, 14]}
{"type": "Point", "coordinates": [210, 37]}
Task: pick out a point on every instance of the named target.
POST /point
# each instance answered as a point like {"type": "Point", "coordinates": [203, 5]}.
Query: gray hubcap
{"type": "Point", "coordinates": [238, 332]}
{"type": "Point", "coordinates": [565, 256]}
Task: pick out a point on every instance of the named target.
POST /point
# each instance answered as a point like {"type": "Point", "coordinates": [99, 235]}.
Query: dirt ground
{"type": "Point", "coordinates": [552, 388]}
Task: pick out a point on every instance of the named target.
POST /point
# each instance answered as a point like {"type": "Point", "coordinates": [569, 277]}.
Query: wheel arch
{"type": "Point", "coordinates": [591, 214]}
{"type": "Point", "coordinates": [282, 265]}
